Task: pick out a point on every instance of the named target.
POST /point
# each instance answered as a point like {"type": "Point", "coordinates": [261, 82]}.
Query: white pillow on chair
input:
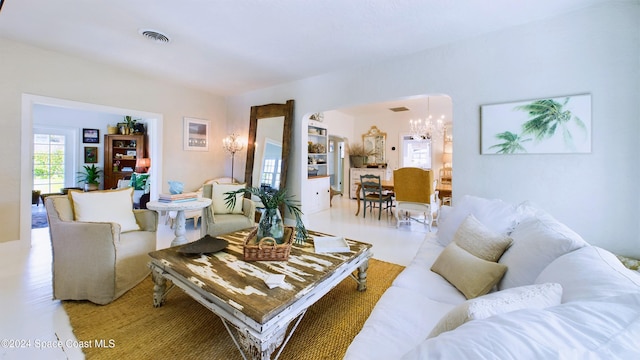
{"type": "Point", "coordinates": [219, 203]}
{"type": "Point", "coordinates": [105, 206]}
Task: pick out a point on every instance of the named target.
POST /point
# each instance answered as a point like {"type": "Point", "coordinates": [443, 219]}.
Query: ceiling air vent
{"type": "Point", "coordinates": [154, 35]}
{"type": "Point", "coordinates": [399, 109]}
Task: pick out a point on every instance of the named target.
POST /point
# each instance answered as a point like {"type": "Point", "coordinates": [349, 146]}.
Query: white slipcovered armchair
{"type": "Point", "coordinates": [218, 219]}
{"type": "Point", "coordinates": [97, 261]}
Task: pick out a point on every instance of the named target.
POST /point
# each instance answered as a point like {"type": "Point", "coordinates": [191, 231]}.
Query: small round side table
{"type": "Point", "coordinates": [179, 208]}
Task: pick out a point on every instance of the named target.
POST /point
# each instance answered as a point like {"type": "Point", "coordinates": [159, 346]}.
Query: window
{"type": "Point", "coordinates": [267, 172]}
{"type": "Point", "coordinates": [271, 173]}
{"type": "Point", "coordinates": [48, 162]}
{"type": "Point", "coordinates": [416, 153]}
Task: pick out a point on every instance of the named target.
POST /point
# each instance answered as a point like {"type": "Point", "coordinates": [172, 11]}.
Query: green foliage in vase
{"type": "Point", "coordinates": [131, 122]}
{"type": "Point", "coordinates": [273, 200]}
{"type": "Point", "coordinates": [90, 175]}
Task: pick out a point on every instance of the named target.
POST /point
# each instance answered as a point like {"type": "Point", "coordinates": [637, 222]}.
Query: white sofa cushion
{"type": "Point", "coordinates": [537, 296]}
{"type": "Point", "coordinates": [419, 278]}
{"type": "Point", "coordinates": [389, 333]}
{"type": "Point", "coordinates": [577, 330]}
{"type": "Point", "coordinates": [219, 196]}
{"type": "Point", "coordinates": [479, 240]}
{"type": "Point", "coordinates": [537, 241]}
{"type": "Point", "coordinates": [105, 206]}
{"type": "Point", "coordinates": [590, 273]}
{"type": "Point", "coordinates": [495, 214]}
{"type": "Point", "coordinates": [469, 274]}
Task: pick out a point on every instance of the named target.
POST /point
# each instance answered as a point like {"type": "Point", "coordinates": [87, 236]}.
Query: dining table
{"type": "Point", "coordinates": [387, 185]}
{"type": "Point", "coordinates": [443, 191]}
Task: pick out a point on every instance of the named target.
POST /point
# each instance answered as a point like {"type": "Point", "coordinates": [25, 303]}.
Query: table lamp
{"type": "Point", "coordinates": [143, 164]}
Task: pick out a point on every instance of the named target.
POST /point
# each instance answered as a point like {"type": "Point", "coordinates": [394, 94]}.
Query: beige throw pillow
{"type": "Point", "coordinates": [481, 241]}
{"type": "Point", "coordinates": [469, 274]}
{"type": "Point", "coordinates": [220, 205]}
{"type": "Point", "coordinates": [105, 206]}
{"type": "Point", "coordinates": [538, 296]}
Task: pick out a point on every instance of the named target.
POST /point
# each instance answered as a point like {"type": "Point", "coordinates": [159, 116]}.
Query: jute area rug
{"type": "Point", "coordinates": [184, 329]}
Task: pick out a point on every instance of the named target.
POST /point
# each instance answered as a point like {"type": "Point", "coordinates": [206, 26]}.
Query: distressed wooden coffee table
{"type": "Point", "coordinates": [260, 320]}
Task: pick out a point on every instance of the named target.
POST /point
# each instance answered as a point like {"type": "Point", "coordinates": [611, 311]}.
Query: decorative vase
{"type": "Point", "coordinates": [271, 225]}
{"type": "Point", "coordinates": [175, 187]}
{"type": "Point", "coordinates": [358, 161]}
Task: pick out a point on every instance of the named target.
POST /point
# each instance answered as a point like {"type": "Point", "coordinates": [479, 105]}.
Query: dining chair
{"type": "Point", "coordinates": [372, 193]}
{"type": "Point", "coordinates": [415, 192]}
{"type": "Point", "coordinates": [445, 179]}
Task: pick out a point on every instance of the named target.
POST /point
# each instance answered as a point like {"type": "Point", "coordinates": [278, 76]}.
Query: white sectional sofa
{"type": "Point", "coordinates": [559, 298]}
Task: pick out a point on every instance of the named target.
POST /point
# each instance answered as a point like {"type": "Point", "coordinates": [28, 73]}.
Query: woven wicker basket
{"type": "Point", "coordinates": [267, 249]}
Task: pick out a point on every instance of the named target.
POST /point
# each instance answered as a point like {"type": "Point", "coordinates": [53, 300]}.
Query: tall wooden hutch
{"type": "Point", "coordinates": [120, 155]}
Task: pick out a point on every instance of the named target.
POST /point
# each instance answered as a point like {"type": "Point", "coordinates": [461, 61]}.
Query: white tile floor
{"type": "Point", "coordinates": [30, 318]}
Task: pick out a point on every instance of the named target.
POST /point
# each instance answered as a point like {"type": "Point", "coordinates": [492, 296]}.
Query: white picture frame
{"type": "Point", "coordinates": [196, 134]}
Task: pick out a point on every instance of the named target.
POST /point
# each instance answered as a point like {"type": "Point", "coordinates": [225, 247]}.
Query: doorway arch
{"type": "Point", "coordinates": [154, 133]}
{"type": "Point", "coordinates": [392, 116]}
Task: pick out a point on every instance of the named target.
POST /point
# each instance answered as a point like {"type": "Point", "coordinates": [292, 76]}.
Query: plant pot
{"type": "Point", "coordinates": [90, 187]}
{"type": "Point", "coordinates": [358, 161]}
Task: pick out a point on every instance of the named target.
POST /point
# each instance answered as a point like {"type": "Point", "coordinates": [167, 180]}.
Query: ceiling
{"type": "Point", "coordinates": [417, 106]}
{"type": "Point", "coordinates": [229, 47]}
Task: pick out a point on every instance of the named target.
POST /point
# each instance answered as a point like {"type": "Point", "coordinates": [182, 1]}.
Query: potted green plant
{"type": "Point", "coordinates": [90, 177]}
{"type": "Point", "coordinates": [358, 155]}
{"type": "Point", "coordinates": [270, 224]}
{"type": "Point", "coordinates": [130, 124]}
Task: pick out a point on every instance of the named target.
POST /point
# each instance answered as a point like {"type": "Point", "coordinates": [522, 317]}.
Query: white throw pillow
{"type": "Point", "coordinates": [480, 241]}
{"type": "Point", "coordinates": [532, 296]}
{"type": "Point", "coordinates": [536, 243]}
{"type": "Point", "coordinates": [469, 274]}
{"type": "Point", "coordinates": [495, 214]}
{"type": "Point", "coordinates": [105, 206]}
{"type": "Point", "coordinates": [590, 273]}
{"type": "Point", "coordinates": [220, 205]}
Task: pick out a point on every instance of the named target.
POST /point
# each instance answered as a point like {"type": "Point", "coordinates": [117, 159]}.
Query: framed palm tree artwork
{"type": "Point", "coordinates": [557, 125]}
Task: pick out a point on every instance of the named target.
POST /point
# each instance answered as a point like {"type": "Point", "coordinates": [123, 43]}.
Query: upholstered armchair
{"type": "Point", "coordinates": [97, 260]}
{"type": "Point", "coordinates": [218, 219]}
{"type": "Point", "coordinates": [415, 192]}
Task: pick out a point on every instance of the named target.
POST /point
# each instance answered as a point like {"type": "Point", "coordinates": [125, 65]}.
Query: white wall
{"type": "Point", "coordinates": [341, 125]}
{"type": "Point", "coordinates": [29, 70]}
{"type": "Point", "coordinates": [594, 50]}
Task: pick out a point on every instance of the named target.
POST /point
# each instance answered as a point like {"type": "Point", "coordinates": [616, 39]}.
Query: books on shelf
{"type": "Point", "coordinates": [190, 196]}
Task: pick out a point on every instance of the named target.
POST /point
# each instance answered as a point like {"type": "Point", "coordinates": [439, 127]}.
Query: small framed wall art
{"type": "Point", "coordinates": [196, 134]}
{"type": "Point", "coordinates": [559, 125]}
{"type": "Point", "coordinates": [91, 136]}
{"type": "Point", "coordinates": [90, 155]}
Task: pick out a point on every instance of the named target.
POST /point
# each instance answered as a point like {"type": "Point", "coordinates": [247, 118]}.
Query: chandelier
{"type": "Point", "coordinates": [422, 130]}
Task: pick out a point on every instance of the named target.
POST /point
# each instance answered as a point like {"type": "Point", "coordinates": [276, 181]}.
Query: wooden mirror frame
{"type": "Point", "coordinates": [264, 112]}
